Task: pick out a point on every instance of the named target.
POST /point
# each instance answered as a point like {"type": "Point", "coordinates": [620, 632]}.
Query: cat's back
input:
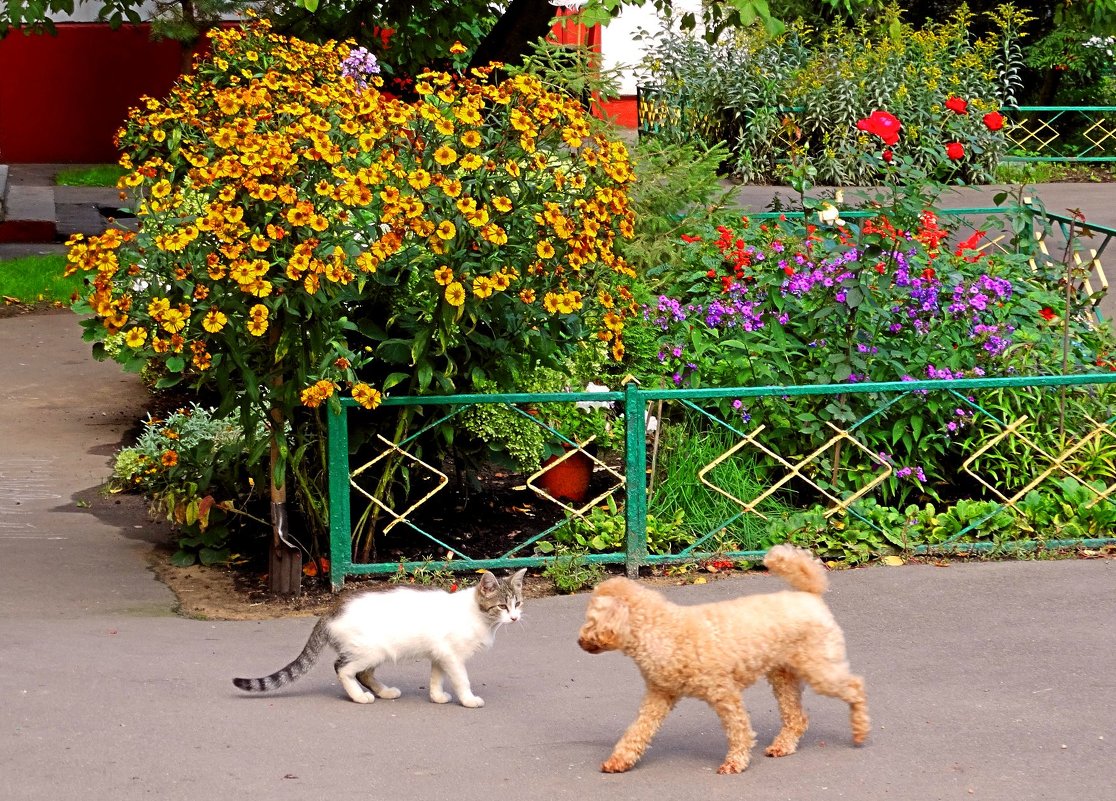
{"type": "Point", "coordinates": [402, 614]}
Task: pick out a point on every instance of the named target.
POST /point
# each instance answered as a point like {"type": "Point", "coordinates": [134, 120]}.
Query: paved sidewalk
{"type": "Point", "coordinates": [989, 681]}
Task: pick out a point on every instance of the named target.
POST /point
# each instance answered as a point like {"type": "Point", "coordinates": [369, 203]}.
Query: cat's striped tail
{"type": "Point", "coordinates": [302, 663]}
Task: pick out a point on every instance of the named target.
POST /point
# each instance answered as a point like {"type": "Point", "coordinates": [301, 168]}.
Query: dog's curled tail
{"type": "Point", "coordinates": [798, 567]}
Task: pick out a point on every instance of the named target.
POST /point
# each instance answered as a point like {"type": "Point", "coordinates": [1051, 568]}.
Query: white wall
{"type": "Point", "coordinates": [618, 46]}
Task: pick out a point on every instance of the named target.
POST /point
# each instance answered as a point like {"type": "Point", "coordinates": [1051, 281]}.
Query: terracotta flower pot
{"type": "Point", "coordinates": [569, 479]}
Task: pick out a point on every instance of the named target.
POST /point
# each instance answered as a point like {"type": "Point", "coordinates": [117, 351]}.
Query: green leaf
{"type": "Point", "coordinates": [182, 558]}
{"type": "Point", "coordinates": [212, 556]}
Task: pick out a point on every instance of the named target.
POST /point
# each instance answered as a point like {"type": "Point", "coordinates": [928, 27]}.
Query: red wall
{"type": "Point", "coordinates": [62, 98]}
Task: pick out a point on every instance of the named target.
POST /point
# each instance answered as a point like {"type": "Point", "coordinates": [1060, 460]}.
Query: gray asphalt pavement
{"type": "Point", "coordinates": [985, 680]}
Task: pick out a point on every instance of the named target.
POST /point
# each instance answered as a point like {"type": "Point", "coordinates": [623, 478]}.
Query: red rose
{"type": "Point", "coordinates": [993, 120]}
{"type": "Point", "coordinates": [887, 156]}
{"type": "Point", "coordinates": [955, 151]}
{"type": "Point", "coordinates": [1047, 313]}
{"type": "Point", "coordinates": [882, 124]}
{"type": "Point", "coordinates": [957, 105]}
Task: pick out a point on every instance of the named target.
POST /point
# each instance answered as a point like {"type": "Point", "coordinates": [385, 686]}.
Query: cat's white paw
{"type": "Point", "coordinates": [440, 697]}
{"type": "Point", "coordinates": [473, 702]}
{"type": "Point", "coordinates": [363, 698]}
{"type": "Point", "coordinates": [389, 692]}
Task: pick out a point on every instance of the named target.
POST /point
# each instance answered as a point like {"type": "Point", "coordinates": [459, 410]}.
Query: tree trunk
{"type": "Point", "coordinates": [523, 22]}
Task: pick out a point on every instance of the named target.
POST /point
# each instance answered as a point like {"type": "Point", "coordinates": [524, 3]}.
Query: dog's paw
{"type": "Point", "coordinates": [616, 765]}
{"type": "Point", "coordinates": [732, 766]}
{"type": "Point", "coordinates": [779, 750]}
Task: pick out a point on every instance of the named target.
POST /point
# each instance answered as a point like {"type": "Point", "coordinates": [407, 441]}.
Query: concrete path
{"type": "Point", "coordinates": [988, 681]}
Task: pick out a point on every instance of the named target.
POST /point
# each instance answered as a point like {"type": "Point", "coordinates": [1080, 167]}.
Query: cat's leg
{"type": "Point", "coordinates": [347, 673]}
{"type": "Point", "coordinates": [455, 672]}
{"type": "Point", "coordinates": [367, 677]}
{"type": "Point", "coordinates": [437, 694]}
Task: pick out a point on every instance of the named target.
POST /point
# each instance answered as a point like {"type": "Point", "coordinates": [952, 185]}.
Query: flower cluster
{"type": "Point", "coordinates": [285, 203]}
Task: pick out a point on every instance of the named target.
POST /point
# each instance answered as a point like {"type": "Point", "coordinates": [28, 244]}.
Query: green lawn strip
{"type": "Point", "coordinates": [37, 279]}
{"type": "Point", "coordinates": [95, 175]}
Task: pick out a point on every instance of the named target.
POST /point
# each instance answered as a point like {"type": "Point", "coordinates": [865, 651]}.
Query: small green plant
{"type": "Point", "coordinates": [571, 571]}
{"type": "Point", "coordinates": [426, 574]}
{"type": "Point", "coordinates": [192, 465]}
{"type": "Point", "coordinates": [603, 529]}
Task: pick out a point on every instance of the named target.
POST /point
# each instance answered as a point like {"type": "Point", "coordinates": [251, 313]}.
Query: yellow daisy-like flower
{"type": "Point", "coordinates": [550, 302]}
{"type": "Point", "coordinates": [173, 321]}
{"type": "Point", "coordinates": [135, 337]}
{"type": "Point", "coordinates": [214, 320]}
{"type": "Point", "coordinates": [419, 179]}
{"type": "Point", "coordinates": [445, 155]}
{"type": "Point", "coordinates": [444, 126]}
{"type": "Point", "coordinates": [495, 234]}
{"type": "Point", "coordinates": [545, 249]}
{"type": "Point", "coordinates": [527, 296]}
{"type": "Point", "coordinates": [443, 275]}
{"type": "Point", "coordinates": [366, 396]}
{"type": "Point", "coordinates": [457, 49]}
{"type": "Point", "coordinates": [471, 139]}
{"type": "Point", "coordinates": [452, 188]}
{"type": "Point", "coordinates": [471, 161]}
{"type": "Point", "coordinates": [482, 286]}
{"type": "Point", "coordinates": [161, 189]}
{"type": "Point", "coordinates": [455, 294]}
{"type": "Point", "coordinates": [502, 204]}
{"type": "Point", "coordinates": [257, 320]}
{"type": "Point", "coordinates": [446, 230]}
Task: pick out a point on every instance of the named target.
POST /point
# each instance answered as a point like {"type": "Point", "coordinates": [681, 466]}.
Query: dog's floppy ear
{"type": "Point", "coordinates": [611, 620]}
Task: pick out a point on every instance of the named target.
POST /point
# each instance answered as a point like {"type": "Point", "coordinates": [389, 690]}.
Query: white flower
{"type": "Point", "coordinates": [830, 214]}
{"type": "Point", "coordinates": [591, 387]}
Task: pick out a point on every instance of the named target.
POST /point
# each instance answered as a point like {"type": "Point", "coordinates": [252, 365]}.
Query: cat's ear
{"type": "Point", "coordinates": [488, 584]}
{"type": "Point", "coordinates": [516, 579]}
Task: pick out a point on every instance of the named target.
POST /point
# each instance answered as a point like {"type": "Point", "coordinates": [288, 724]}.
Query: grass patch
{"type": "Point", "coordinates": [686, 449]}
{"type": "Point", "coordinates": [96, 175]}
{"type": "Point", "coordinates": [37, 279]}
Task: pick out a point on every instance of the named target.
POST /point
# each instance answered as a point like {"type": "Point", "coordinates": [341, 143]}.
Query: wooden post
{"type": "Point", "coordinates": [285, 562]}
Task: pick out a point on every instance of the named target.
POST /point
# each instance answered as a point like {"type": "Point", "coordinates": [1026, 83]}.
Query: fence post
{"type": "Point", "coordinates": [340, 524]}
{"type": "Point", "coordinates": [635, 479]}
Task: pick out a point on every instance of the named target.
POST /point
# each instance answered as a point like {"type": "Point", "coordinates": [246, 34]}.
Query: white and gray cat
{"type": "Point", "coordinates": [372, 628]}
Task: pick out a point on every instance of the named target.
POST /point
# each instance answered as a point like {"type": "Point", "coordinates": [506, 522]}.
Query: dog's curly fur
{"type": "Point", "coordinates": [713, 651]}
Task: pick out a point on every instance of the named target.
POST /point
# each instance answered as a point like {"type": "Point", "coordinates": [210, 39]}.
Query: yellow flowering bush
{"type": "Point", "coordinates": [303, 234]}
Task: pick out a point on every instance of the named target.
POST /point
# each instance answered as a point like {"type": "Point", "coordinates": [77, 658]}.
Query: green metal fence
{"type": "Point", "coordinates": [1047, 466]}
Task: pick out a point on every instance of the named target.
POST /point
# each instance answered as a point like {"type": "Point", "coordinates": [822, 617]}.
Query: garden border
{"type": "Point", "coordinates": [635, 401]}
{"type": "Point", "coordinates": [672, 115]}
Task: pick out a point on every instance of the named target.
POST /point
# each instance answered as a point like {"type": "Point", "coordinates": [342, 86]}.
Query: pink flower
{"type": "Point", "coordinates": [955, 151]}
{"type": "Point", "coordinates": [882, 124]}
{"type": "Point", "coordinates": [957, 105]}
{"type": "Point", "coordinates": [993, 120]}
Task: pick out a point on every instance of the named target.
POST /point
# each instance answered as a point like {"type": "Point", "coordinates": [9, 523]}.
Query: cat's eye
{"type": "Point", "coordinates": [503, 607]}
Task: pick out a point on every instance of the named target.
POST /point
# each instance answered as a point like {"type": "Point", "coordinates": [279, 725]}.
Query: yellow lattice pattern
{"type": "Point", "coordinates": [799, 470]}
{"type": "Point", "coordinates": [1056, 465]}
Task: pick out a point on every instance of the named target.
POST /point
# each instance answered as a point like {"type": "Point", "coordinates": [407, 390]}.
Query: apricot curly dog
{"type": "Point", "coordinates": [713, 651]}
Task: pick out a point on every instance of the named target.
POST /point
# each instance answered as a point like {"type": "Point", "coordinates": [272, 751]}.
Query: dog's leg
{"type": "Point", "coordinates": [630, 747]}
{"type": "Point", "coordinates": [788, 692]}
{"type": "Point", "coordinates": [741, 738]}
{"type": "Point", "coordinates": [835, 680]}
